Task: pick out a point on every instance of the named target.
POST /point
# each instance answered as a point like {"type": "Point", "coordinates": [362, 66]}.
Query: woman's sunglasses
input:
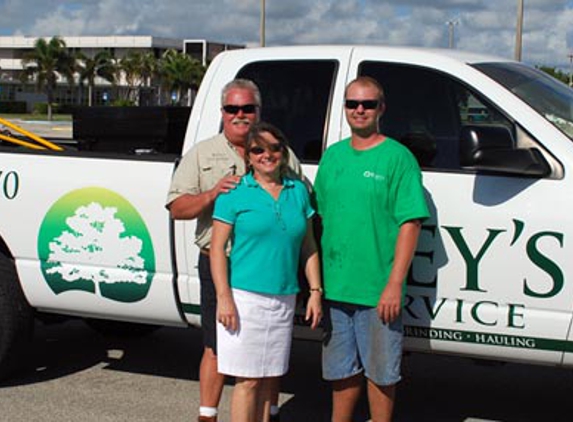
{"type": "Point", "coordinates": [258, 150]}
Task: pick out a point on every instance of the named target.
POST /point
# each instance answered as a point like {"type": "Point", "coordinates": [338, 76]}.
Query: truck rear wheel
{"type": "Point", "coordinates": [16, 319]}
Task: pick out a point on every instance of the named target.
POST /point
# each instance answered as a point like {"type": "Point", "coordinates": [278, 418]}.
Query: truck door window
{"type": "Point", "coordinates": [426, 110]}
{"type": "Point", "coordinates": [296, 97]}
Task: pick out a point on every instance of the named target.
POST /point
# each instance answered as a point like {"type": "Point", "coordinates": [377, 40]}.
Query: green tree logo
{"type": "Point", "coordinates": [93, 239]}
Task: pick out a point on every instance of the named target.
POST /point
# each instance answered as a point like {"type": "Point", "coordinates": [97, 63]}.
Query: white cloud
{"type": "Point", "coordinates": [484, 25]}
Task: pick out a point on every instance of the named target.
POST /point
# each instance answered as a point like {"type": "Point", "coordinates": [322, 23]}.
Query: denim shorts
{"type": "Point", "coordinates": [357, 340]}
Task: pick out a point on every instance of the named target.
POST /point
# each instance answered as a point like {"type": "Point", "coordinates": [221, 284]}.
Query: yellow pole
{"type": "Point", "coordinates": [36, 138]}
{"type": "Point", "coordinates": [20, 142]}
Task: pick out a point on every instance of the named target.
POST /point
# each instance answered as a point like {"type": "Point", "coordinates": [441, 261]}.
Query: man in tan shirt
{"type": "Point", "coordinates": [212, 167]}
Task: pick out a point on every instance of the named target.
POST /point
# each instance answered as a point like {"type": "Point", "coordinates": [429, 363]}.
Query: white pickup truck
{"type": "Point", "coordinates": [85, 232]}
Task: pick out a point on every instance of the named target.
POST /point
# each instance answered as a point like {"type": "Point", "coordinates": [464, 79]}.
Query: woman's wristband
{"type": "Point", "coordinates": [316, 289]}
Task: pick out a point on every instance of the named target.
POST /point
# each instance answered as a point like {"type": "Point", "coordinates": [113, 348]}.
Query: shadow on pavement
{"type": "Point", "coordinates": [434, 388]}
{"type": "Point", "coordinates": [65, 348]}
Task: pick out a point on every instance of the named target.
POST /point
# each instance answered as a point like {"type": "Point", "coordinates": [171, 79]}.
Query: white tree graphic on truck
{"type": "Point", "coordinates": [95, 238]}
{"type": "Point", "coordinates": [101, 246]}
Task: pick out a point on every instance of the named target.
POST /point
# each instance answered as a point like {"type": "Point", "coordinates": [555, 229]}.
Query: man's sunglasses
{"type": "Point", "coordinates": [366, 104]}
{"type": "Point", "coordinates": [234, 109]}
{"type": "Point", "coordinates": [257, 150]}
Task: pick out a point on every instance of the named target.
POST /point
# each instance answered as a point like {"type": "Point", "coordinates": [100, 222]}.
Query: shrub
{"type": "Point", "coordinates": [42, 108]}
{"type": "Point", "coordinates": [123, 102]}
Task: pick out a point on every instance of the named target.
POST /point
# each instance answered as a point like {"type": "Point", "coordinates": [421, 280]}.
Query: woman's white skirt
{"type": "Point", "coordinates": [261, 346]}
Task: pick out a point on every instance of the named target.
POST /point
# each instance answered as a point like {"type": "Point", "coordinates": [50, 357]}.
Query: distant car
{"type": "Point", "coordinates": [477, 114]}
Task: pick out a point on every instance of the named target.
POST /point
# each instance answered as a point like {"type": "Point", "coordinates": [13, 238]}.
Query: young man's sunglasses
{"type": "Point", "coordinates": [234, 109]}
{"type": "Point", "coordinates": [366, 104]}
{"type": "Point", "coordinates": [257, 150]}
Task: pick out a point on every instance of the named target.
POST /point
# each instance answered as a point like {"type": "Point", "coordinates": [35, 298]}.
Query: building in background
{"type": "Point", "coordinates": [205, 51]}
{"type": "Point", "coordinates": [14, 48]}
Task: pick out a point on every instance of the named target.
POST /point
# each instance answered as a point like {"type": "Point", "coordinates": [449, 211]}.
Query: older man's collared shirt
{"type": "Point", "coordinates": [200, 170]}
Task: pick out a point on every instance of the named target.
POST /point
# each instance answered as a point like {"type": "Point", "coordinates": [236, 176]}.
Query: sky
{"type": "Point", "coordinates": [484, 26]}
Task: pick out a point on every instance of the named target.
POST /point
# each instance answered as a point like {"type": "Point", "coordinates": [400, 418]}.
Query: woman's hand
{"type": "Point", "coordinates": [314, 309]}
{"type": "Point", "coordinates": [227, 312]}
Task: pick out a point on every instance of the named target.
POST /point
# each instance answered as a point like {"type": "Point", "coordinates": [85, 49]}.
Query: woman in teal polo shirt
{"type": "Point", "coordinates": [268, 217]}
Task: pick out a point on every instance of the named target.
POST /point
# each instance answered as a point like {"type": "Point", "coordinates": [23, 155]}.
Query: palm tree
{"type": "Point", "coordinates": [179, 72]}
{"type": "Point", "coordinates": [148, 67]}
{"type": "Point", "coordinates": [138, 69]}
{"type": "Point", "coordinates": [128, 68]}
{"type": "Point", "coordinates": [101, 65]}
{"type": "Point", "coordinates": [47, 61]}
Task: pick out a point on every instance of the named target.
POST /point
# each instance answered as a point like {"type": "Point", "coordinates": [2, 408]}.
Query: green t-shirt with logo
{"type": "Point", "coordinates": [363, 198]}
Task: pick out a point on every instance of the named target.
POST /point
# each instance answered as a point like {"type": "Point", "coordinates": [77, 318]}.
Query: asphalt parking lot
{"type": "Point", "coordinates": [75, 374]}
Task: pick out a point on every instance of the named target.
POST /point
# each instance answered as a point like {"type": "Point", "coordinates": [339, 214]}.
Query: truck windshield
{"type": "Point", "coordinates": [549, 97]}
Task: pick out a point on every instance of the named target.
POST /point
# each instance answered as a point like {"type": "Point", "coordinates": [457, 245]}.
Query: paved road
{"type": "Point", "coordinates": [60, 130]}
{"type": "Point", "coordinates": [77, 375]}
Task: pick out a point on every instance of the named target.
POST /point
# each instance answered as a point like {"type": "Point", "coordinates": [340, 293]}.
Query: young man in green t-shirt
{"type": "Point", "coordinates": [371, 199]}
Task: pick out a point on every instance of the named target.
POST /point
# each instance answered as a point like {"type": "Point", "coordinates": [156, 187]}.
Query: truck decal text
{"type": "Point", "coordinates": [488, 339]}
{"type": "Point", "coordinates": [9, 184]}
{"type": "Point", "coordinates": [484, 312]}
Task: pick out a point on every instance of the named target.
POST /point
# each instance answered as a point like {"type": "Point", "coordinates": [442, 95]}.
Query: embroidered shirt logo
{"type": "Point", "coordinates": [371, 175]}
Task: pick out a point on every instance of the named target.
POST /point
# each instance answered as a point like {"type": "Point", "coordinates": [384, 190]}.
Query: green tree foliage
{"type": "Point", "coordinates": [49, 60]}
{"type": "Point", "coordinates": [102, 65]}
{"type": "Point", "coordinates": [139, 69]}
{"type": "Point", "coordinates": [179, 73]}
{"type": "Point", "coordinates": [556, 73]}
{"type": "Point", "coordinates": [148, 68]}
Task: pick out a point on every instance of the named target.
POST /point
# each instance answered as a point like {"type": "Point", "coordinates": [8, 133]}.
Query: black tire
{"type": "Point", "coordinates": [110, 328]}
{"type": "Point", "coordinates": [16, 320]}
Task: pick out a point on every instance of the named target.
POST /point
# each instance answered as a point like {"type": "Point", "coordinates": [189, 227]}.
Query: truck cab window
{"type": "Point", "coordinates": [296, 96]}
{"type": "Point", "coordinates": [426, 110]}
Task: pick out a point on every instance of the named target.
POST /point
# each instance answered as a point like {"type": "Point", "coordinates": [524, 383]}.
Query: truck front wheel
{"type": "Point", "coordinates": [16, 319]}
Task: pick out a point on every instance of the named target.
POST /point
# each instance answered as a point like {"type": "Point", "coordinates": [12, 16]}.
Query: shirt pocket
{"type": "Point", "coordinates": [211, 174]}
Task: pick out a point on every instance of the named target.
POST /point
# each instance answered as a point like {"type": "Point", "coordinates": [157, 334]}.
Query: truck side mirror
{"type": "Point", "coordinates": [492, 148]}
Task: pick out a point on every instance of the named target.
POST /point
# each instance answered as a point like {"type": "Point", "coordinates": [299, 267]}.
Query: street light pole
{"type": "Point", "coordinates": [262, 25]}
{"type": "Point", "coordinates": [519, 30]}
{"type": "Point", "coordinates": [451, 25]}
